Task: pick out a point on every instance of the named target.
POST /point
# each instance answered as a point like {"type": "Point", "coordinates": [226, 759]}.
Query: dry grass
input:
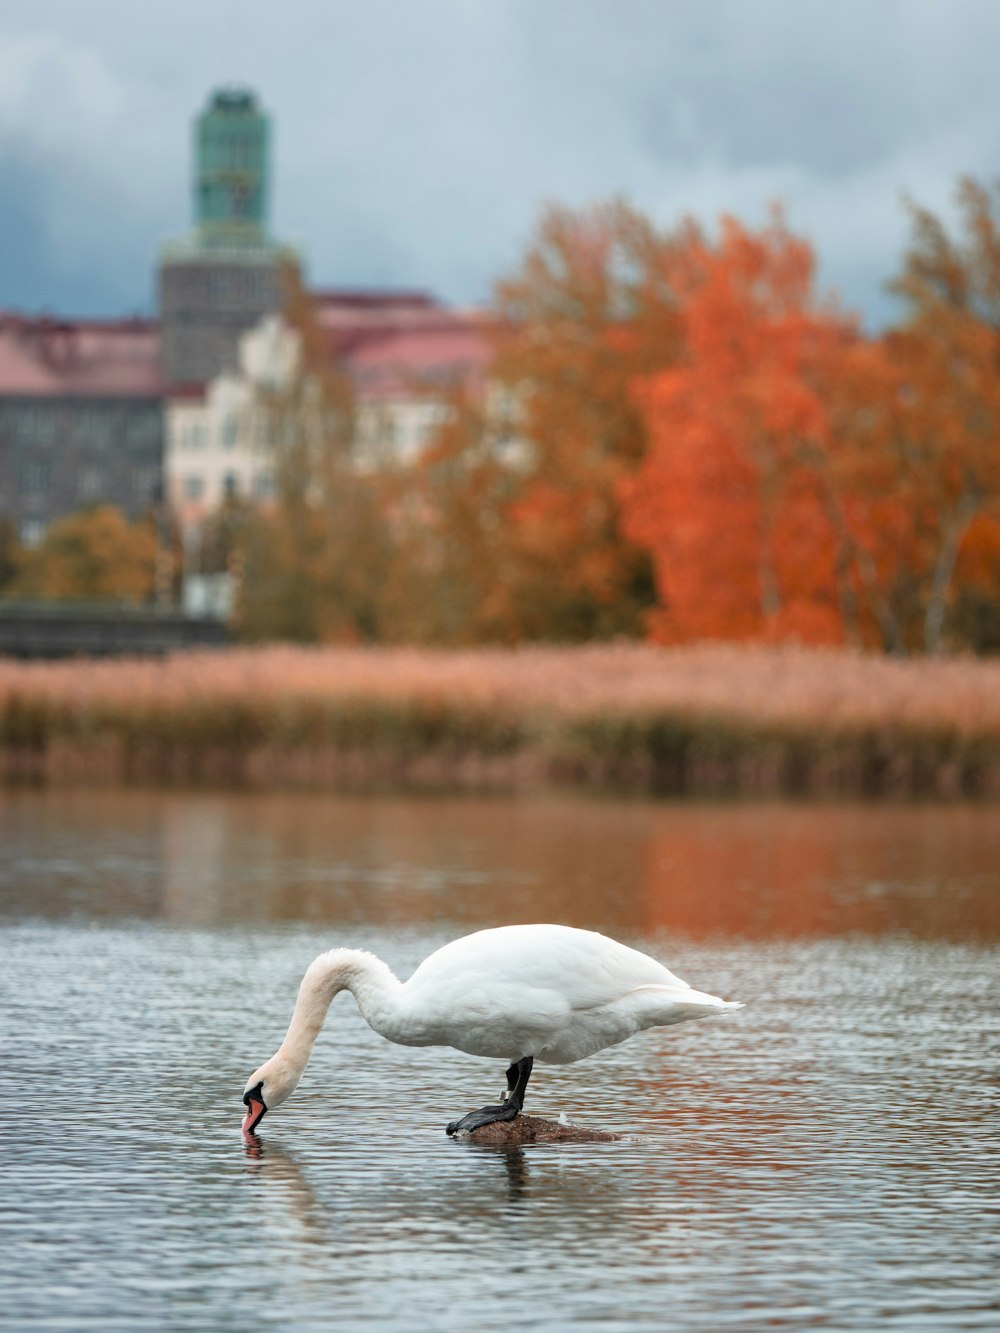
{"type": "Point", "coordinates": [703, 719]}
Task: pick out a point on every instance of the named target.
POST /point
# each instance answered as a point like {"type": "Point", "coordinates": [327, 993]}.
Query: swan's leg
{"type": "Point", "coordinates": [517, 1082]}
{"type": "Point", "coordinates": [511, 1081]}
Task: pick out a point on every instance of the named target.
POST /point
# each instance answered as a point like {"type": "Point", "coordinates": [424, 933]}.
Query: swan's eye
{"type": "Point", "coordinates": [257, 1093]}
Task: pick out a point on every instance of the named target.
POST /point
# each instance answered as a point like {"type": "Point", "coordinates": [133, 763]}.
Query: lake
{"type": "Point", "coordinates": [826, 1158]}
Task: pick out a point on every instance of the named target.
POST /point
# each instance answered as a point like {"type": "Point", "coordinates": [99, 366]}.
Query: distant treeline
{"type": "Point", "coordinates": [678, 439]}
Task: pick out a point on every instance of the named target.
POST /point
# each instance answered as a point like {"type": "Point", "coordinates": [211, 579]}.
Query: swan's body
{"type": "Point", "coordinates": [517, 993]}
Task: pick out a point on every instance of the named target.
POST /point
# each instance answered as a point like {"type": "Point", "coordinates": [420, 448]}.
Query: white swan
{"type": "Point", "coordinates": [517, 993]}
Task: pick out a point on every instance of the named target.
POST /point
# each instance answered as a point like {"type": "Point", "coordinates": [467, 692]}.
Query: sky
{"type": "Point", "coordinates": [416, 141]}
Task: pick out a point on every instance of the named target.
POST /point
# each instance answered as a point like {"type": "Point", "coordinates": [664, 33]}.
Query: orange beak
{"type": "Point", "coordinates": [255, 1113]}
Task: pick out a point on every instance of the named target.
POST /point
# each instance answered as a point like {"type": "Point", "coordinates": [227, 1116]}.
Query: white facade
{"type": "Point", "coordinates": [403, 364]}
{"type": "Point", "coordinates": [394, 431]}
{"type": "Point", "coordinates": [217, 445]}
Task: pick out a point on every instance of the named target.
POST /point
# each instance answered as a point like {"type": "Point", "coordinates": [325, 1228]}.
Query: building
{"type": "Point", "coordinates": [134, 412]}
{"type": "Point", "coordinates": [404, 353]}
{"type": "Point", "coordinates": [405, 367]}
{"type": "Point", "coordinates": [81, 418]}
{"type": "Point", "coordinates": [227, 274]}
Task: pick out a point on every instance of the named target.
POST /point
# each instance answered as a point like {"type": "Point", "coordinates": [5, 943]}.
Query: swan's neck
{"type": "Point", "coordinates": [372, 984]}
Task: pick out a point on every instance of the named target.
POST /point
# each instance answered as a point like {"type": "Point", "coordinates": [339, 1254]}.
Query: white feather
{"type": "Point", "coordinates": [550, 992]}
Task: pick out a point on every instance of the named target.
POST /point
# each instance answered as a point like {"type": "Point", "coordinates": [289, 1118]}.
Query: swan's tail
{"type": "Point", "coordinates": [675, 1004]}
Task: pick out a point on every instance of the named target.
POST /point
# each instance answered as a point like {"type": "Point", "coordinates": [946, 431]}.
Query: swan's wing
{"type": "Point", "coordinates": [579, 968]}
{"type": "Point", "coordinates": [547, 990]}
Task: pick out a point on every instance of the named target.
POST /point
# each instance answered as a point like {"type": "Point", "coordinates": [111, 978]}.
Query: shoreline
{"type": "Point", "coordinates": [702, 721]}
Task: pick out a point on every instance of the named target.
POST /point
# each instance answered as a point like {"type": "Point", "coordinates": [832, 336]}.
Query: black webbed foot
{"type": "Point", "coordinates": [517, 1080]}
{"type": "Point", "coordinates": [489, 1115]}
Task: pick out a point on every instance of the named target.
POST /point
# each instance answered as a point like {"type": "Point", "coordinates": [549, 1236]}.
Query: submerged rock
{"type": "Point", "coordinates": [532, 1129]}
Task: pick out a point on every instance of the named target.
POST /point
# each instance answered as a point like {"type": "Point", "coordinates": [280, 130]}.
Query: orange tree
{"type": "Point", "coordinates": [914, 467]}
{"type": "Point", "coordinates": [946, 357]}
{"type": "Point", "coordinates": [529, 477]}
{"type": "Point", "coordinates": [731, 501]}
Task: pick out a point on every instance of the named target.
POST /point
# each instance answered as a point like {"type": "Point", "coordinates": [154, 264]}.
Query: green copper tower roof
{"type": "Point", "coordinates": [231, 171]}
{"type": "Point", "coordinates": [217, 282]}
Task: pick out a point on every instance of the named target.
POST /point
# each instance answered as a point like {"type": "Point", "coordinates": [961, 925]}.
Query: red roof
{"type": "Point", "coordinates": [48, 357]}
{"type": "Point", "coordinates": [445, 353]}
{"type": "Point", "coordinates": [374, 299]}
{"type": "Point", "coordinates": [390, 342]}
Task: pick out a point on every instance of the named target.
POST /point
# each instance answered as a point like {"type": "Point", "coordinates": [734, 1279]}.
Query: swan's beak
{"type": "Point", "coordinates": [256, 1110]}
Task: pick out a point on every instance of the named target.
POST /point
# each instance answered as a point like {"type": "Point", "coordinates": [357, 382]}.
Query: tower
{"type": "Point", "coordinates": [231, 170]}
{"type": "Point", "coordinates": [221, 279]}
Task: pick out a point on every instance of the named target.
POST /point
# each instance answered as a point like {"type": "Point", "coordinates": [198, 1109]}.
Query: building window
{"type": "Point", "coordinates": [146, 484]}
{"type": "Point", "coordinates": [40, 425]}
{"type": "Point", "coordinates": [33, 531]}
{"type": "Point", "coordinates": [91, 427]}
{"type": "Point", "coordinates": [90, 482]}
{"type": "Point", "coordinates": [143, 428]}
{"type": "Point", "coordinates": [388, 427]}
{"type": "Point", "coordinates": [230, 486]}
{"type": "Point", "coordinates": [27, 423]}
{"type": "Point", "coordinates": [194, 486]}
{"type": "Point", "coordinates": [230, 431]}
{"type": "Point", "coordinates": [264, 487]}
{"type": "Point", "coordinates": [35, 473]}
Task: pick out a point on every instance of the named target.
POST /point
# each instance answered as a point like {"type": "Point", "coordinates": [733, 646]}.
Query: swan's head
{"type": "Point", "coordinates": [267, 1087]}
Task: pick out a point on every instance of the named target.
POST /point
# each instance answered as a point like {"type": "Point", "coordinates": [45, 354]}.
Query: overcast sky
{"type": "Point", "coordinates": [415, 140]}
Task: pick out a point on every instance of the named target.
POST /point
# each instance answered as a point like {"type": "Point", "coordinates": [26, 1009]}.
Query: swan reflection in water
{"type": "Point", "coordinates": [292, 1204]}
{"type": "Point", "coordinates": [515, 1165]}
{"type": "Point", "coordinates": [345, 1198]}
{"type": "Point", "coordinates": [292, 1198]}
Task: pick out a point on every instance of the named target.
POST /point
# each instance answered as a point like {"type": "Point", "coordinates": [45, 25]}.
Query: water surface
{"type": "Point", "coordinates": [827, 1158]}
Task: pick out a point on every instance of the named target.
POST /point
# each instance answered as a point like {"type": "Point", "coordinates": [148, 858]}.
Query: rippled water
{"type": "Point", "coordinates": [827, 1158]}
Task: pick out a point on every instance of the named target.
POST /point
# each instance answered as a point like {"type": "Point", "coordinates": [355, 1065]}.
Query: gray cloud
{"type": "Point", "coordinates": [416, 139]}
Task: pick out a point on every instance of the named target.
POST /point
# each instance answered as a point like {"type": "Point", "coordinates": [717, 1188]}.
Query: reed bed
{"type": "Point", "coordinates": [702, 720]}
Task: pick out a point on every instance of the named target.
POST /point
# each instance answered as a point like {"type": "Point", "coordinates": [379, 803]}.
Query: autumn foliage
{"type": "Point", "coordinates": [312, 565]}
{"type": "Point", "coordinates": [526, 482]}
{"type": "Point", "coordinates": [95, 555]}
{"type": "Point", "coordinates": [708, 448]}
{"type": "Point", "coordinates": [730, 496]}
{"type": "Point", "coordinates": [804, 482]}
{"type": "Point", "coordinates": [680, 438]}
